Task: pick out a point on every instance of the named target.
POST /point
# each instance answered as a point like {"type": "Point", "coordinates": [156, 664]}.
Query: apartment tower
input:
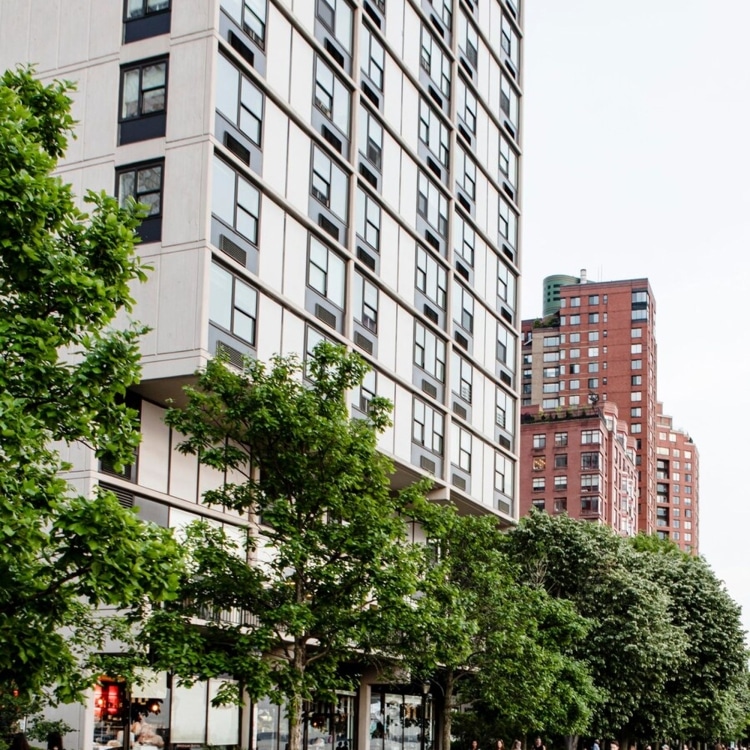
{"type": "Point", "coordinates": [315, 169]}
{"type": "Point", "coordinates": [597, 346]}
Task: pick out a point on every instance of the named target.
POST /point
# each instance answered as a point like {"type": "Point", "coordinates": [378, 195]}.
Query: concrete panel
{"type": "Point", "coordinates": [389, 250]}
{"type": "Point", "coordinates": [153, 458]}
{"type": "Point", "coordinates": [404, 343]}
{"type": "Point", "coordinates": [271, 257]}
{"type": "Point", "coordinates": [183, 474]}
{"type": "Point", "coordinates": [295, 262]}
{"type": "Point", "coordinates": [279, 53]}
{"type": "Point", "coordinates": [301, 94]}
{"type": "Point", "coordinates": [181, 301]}
{"type": "Point", "coordinates": [298, 169]}
{"type": "Point", "coordinates": [275, 135]}
{"type": "Point", "coordinates": [408, 185]}
{"type": "Point", "coordinates": [186, 207]}
{"type": "Point", "coordinates": [388, 321]}
{"type": "Point", "coordinates": [402, 424]}
{"type": "Point", "coordinates": [270, 314]}
{"type": "Point", "coordinates": [189, 110]}
{"type": "Point", "coordinates": [99, 117]}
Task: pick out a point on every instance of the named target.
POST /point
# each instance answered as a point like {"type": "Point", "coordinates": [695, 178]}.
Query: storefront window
{"type": "Point", "coordinates": [400, 722]}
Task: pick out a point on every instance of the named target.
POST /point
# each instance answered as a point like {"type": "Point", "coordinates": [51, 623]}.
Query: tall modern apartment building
{"type": "Point", "coordinates": [596, 345]}
{"type": "Point", "coordinates": [315, 169]}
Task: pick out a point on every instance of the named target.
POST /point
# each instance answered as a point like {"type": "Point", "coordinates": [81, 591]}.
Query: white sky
{"type": "Point", "coordinates": [637, 163]}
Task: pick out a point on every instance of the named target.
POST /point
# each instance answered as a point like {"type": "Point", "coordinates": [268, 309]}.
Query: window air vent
{"type": "Point", "coordinates": [242, 49]}
{"type": "Point", "coordinates": [124, 497]}
{"type": "Point", "coordinates": [332, 139]}
{"type": "Point", "coordinates": [429, 388]}
{"type": "Point", "coordinates": [465, 133]}
{"type": "Point", "coordinates": [232, 249]}
{"type": "Point", "coordinates": [466, 66]}
{"type": "Point", "coordinates": [370, 94]}
{"type": "Point", "coordinates": [363, 342]}
{"type": "Point", "coordinates": [469, 5]}
{"type": "Point", "coordinates": [459, 410]}
{"type": "Point", "coordinates": [373, 15]}
{"type": "Point", "coordinates": [231, 355]}
{"type": "Point", "coordinates": [504, 442]}
{"type": "Point", "coordinates": [509, 191]}
{"type": "Point", "coordinates": [505, 378]}
{"type": "Point", "coordinates": [368, 175]}
{"type": "Point", "coordinates": [240, 151]}
{"type": "Point", "coordinates": [325, 315]}
{"type": "Point", "coordinates": [464, 202]}
{"type": "Point", "coordinates": [510, 69]}
{"type": "Point", "coordinates": [506, 314]}
{"type": "Point", "coordinates": [461, 268]}
{"type": "Point", "coordinates": [426, 464]}
{"type": "Point", "coordinates": [434, 94]}
{"type": "Point", "coordinates": [366, 258]}
{"type": "Point", "coordinates": [509, 253]}
{"type": "Point", "coordinates": [435, 167]}
{"type": "Point", "coordinates": [503, 507]}
{"type": "Point", "coordinates": [459, 482]}
{"type": "Point", "coordinates": [510, 129]}
{"type": "Point", "coordinates": [461, 340]}
{"type": "Point", "coordinates": [438, 26]}
{"type": "Point", "coordinates": [431, 314]}
{"type": "Point", "coordinates": [328, 226]}
{"type": "Point", "coordinates": [432, 240]}
{"type": "Point", "coordinates": [334, 53]}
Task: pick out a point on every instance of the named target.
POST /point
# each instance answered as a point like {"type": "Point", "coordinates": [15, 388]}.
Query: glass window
{"type": "Point", "coordinates": [432, 278]}
{"type": "Point", "coordinates": [143, 184]}
{"type": "Point", "coordinates": [462, 376]}
{"type": "Point", "coordinates": [432, 205]}
{"type": "Point", "coordinates": [235, 200]}
{"type": "Point", "coordinates": [336, 16]}
{"type": "Point", "coordinates": [468, 40]}
{"type": "Point", "coordinates": [140, 8]}
{"type": "Point", "coordinates": [372, 57]}
{"type": "Point", "coordinates": [591, 436]}
{"type": "Point", "coordinates": [331, 96]}
{"type": "Point", "coordinates": [504, 410]}
{"type": "Point", "coordinates": [464, 239]}
{"type": "Point", "coordinates": [464, 449]}
{"type": "Point", "coordinates": [507, 222]}
{"type": "Point", "coordinates": [433, 132]}
{"type": "Point", "coordinates": [326, 272]}
{"type": "Point", "coordinates": [509, 100]}
{"type": "Point", "coordinates": [508, 161]}
{"type": "Point", "coordinates": [538, 484]}
{"type": "Point", "coordinates": [428, 427]}
{"type": "Point", "coordinates": [444, 9]}
{"type": "Point", "coordinates": [370, 138]}
{"type": "Point", "coordinates": [463, 308]}
{"type": "Point", "coordinates": [365, 302]}
{"type": "Point", "coordinates": [467, 106]}
{"type": "Point", "coordinates": [368, 219]}
{"type": "Point", "coordinates": [506, 283]}
{"type": "Point", "coordinates": [429, 352]}
{"type": "Point", "coordinates": [329, 184]}
{"type": "Point", "coordinates": [144, 90]}
{"type": "Point", "coordinates": [466, 173]}
{"type": "Point", "coordinates": [561, 439]}
{"type": "Point", "coordinates": [435, 62]}
{"type": "Point", "coordinates": [509, 40]}
{"type": "Point", "coordinates": [233, 304]}
{"type": "Point", "coordinates": [506, 347]}
{"type": "Point", "coordinates": [239, 100]}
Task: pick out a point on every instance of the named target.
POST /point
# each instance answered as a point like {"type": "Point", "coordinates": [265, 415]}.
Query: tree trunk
{"type": "Point", "coordinates": [447, 710]}
{"type": "Point", "coordinates": [571, 742]}
{"type": "Point", "coordinates": [295, 702]}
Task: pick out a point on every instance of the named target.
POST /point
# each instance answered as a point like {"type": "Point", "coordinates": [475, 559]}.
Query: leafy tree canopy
{"type": "Point", "coordinates": [64, 277]}
{"type": "Point", "coordinates": [332, 568]}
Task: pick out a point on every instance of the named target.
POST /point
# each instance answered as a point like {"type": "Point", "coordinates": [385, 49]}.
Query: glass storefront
{"type": "Point", "coordinates": [400, 722]}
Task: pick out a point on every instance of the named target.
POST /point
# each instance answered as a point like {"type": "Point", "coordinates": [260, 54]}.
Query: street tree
{"type": "Point", "coordinates": [632, 644]}
{"type": "Point", "coordinates": [477, 622]}
{"type": "Point", "coordinates": [64, 371]}
{"type": "Point", "coordinates": [330, 571]}
{"type": "Point", "coordinates": [706, 694]}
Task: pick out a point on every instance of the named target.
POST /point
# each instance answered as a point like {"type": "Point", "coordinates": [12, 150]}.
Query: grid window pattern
{"type": "Point", "coordinates": [370, 138]}
{"type": "Point", "coordinates": [140, 8]}
{"type": "Point", "coordinates": [144, 90]}
{"type": "Point", "coordinates": [336, 16]}
{"type": "Point", "coordinates": [432, 205]}
{"type": "Point", "coordinates": [508, 161]}
{"type": "Point", "coordinates": [429, 352]}
{"type": "Point", "coordinates": [326, 272]}
{"type": "Point", "coordinates": [329, 184]}
{"type": "Point", "coordinates": [432, 278]}
{"type": "Point", "coordinates": [365, 303]}
{"type": "Point", "coordinates": [235, 200]}
{"type": "Point", "coordinates": [463, 376]}
{"type": "Point", "coordinates": [368, 219]}
{"type": "Point", "coordinates": [464, 449]}
{"type": "Point", "coordinates": [466, 173]}
{"type": "Point", "coordinates": [433, 132]}
{"type": "Point", "coordinates": [239, 100]}
{"type": "Point", "coordinates": [463, 308]}
{"type": "Point", "coordinates": [464, 239]}
{"type": "Point", "coordinates": [468, 41]}
{"type": "Point", "coordinates": [509, 100]}
{"type": "Point", "coordinates": [507, 222]}
{"type": "Point", "coordinates": [435, 62]}
{"type": "Point", "coordinates": [233, 304]}
{"type": "Point", "coordinates": [143, 184]}
{"type": "Point", "coordinates": [331, 96]}
{"type": "Point", "coordinates": [372, 57]}
{"type": "Point", "coordinates": [467, 106]}
{"type": "Point", "coordinates": [428, 427]}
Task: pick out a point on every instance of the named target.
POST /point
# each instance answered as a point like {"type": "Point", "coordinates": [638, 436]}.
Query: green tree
{"type": "Point", "coordinates": [476, 622]}
{"type": "Point", "coordinates": [331, 568]}
{"type": "Point", "coordinates": [706, 694]}
{"type": "Point", "coordinates": [632, 645]}
{"type": "Point", "coordinates": [64, 277]}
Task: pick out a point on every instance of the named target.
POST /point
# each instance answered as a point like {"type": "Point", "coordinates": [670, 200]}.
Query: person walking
{"type": "Point", "coordinates": [19, 742]}
{"type": "Point", "coordinates": [54, 741]}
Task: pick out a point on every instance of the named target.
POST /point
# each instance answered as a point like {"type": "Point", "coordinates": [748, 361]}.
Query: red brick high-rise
{"type": "Point", "coordinates": [596, 345]}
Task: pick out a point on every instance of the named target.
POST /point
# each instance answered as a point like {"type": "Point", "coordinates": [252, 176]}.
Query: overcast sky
{"type": "Point", "coordinates": [637, 163]}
